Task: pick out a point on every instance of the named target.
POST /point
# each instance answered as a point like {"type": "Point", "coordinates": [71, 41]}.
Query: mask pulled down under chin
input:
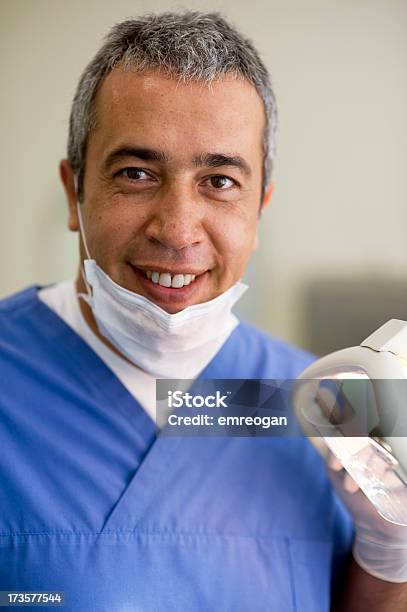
{"type": "Point", "coordinates": [165, 345]}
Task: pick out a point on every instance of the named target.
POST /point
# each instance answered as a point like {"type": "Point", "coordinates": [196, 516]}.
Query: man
{"type": "Point", "coordinates": [170, 150]}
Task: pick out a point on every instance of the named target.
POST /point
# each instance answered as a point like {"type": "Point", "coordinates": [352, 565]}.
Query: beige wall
{"type": "Point", "coordinates": [340, 206]}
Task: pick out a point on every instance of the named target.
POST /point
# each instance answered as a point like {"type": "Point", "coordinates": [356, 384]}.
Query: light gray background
{"type": "Point", "coordinates": [339, 210]}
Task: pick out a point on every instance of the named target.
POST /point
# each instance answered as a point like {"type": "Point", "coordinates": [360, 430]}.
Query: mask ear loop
{"type": "Point", "coordinates": [85, 244]}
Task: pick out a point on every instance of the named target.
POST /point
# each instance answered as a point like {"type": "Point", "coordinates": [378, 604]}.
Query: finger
{"type": "Point", "coordinates": [334, 463]}
{"type": "Point", "coordinates": [350, 485]}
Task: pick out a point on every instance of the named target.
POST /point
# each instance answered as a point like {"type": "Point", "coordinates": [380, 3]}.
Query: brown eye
{"type": "Point", "coordinates": [221, 182]}
{"type": "Point", "coordinates": [134, 174]}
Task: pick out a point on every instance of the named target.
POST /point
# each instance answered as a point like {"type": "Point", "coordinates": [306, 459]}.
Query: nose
{"type": "Point", "coordinates": [176, 220]}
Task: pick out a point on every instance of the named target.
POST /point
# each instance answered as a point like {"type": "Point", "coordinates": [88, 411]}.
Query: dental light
{"type": "Point", "coordinates": [356, 401]}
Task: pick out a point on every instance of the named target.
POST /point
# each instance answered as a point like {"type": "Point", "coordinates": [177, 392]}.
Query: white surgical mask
{"type": "Point", "coordinates": [165, 345]}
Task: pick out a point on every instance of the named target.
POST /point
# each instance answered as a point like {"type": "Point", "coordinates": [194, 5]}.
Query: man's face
{"type": "Point", "coordinates": [172, 185]}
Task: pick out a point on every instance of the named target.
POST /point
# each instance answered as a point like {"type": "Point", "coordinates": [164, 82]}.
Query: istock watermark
{"type": "Point", "coordinates": [222, 408]}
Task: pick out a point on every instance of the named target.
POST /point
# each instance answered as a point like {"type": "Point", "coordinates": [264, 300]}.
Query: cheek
{"type": "Point", "coordinates": [110, 229]}
{"type": "Point", "coordinates": [235, 240]}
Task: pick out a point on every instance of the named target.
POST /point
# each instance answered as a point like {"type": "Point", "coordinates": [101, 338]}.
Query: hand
{"type": "Point", "coordinates": [380, 546]}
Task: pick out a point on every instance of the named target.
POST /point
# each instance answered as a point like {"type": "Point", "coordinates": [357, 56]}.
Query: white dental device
{"type": "Point", "coordinates": [356, 401]}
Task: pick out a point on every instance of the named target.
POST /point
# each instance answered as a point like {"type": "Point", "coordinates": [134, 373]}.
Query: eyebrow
{"type": "Point", "coordinates": [144, 154]}
{"type": "Point", "coordinates": [211, 160]}
{"type": "Point", "coordinates": [215, 160]}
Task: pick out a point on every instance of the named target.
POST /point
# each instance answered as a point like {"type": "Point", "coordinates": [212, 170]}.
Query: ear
{"type": "Point", "coordinates": [267, 196]}
{"type": "Point", "coordinates": [68, 181]}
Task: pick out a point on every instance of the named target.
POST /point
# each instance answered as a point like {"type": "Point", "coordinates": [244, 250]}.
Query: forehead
{"type": "Point", "coordinates": [154, 109]}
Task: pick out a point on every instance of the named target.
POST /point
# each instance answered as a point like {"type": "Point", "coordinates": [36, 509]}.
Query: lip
{"type": "Point", "coordinates": [167, 296]}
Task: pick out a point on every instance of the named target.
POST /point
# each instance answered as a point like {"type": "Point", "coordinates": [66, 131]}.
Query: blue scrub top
{"type": "Point", "coordinates": [92, 503]}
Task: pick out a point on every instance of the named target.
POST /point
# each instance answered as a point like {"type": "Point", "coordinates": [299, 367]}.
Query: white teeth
{"type": "Point", "coordinates": [178, 281]}
{"type": "Point", "coordinates": [166, 280]}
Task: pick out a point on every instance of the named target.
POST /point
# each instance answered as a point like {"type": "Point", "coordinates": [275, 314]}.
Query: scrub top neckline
{"type": "Point", "coordinates": [160, 450]}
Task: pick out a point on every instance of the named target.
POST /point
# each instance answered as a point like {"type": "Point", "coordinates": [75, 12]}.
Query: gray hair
{"type": "Point", "coordinates": [189, 46]}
